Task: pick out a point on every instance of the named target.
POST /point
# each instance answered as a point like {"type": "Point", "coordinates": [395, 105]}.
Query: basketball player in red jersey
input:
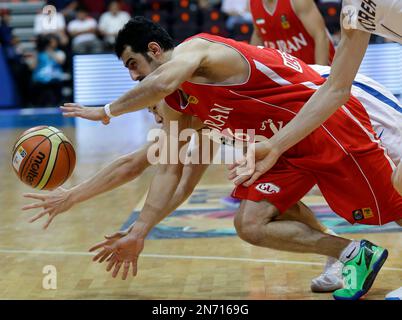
{"type": "Point", "coordinates": [359, 19]}
{"type": "Point", "coordinates": [237, 86]}
{"type": "Point", "coordinates": [292, 26]}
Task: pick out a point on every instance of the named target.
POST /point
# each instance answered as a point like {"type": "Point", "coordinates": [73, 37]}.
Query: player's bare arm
{"type": "Point", "coordinates": [196, 60]}
{"type": "Point", "coordinates": [310, 16]}
{"type": "Point", "coordinates": [164, 184]}
{"type": "Point", "coordinates": [117, 173]}
{"type": "Point", "coordinates": [192, 174]}
{"type": "Point", "coordinates": [164, 80]}
{"type": "Point", "coordinates": [322, 104]}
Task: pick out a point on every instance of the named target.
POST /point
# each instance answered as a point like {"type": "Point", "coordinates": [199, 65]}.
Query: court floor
{"type": "Point", "coordinates": [194, 254]}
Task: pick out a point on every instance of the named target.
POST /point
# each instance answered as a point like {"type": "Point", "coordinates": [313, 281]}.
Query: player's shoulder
{"type": "Point", "coordinates": [195, 44]}
{"type": "Point", "coordinates": [302, 5]}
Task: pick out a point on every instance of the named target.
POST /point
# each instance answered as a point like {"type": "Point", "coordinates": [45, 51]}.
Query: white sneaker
{"type": "Point", "coordinates": [331, 279]}
{"type": "Point", "coordinates": [394, 295]}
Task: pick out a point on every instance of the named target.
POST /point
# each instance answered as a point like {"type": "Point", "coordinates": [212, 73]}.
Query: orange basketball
{"type": "Point", "coordinates": [43, 158]}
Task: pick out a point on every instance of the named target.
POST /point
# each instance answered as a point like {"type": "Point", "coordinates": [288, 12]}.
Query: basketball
{"type": "Point", "coordinates": [43, 158]}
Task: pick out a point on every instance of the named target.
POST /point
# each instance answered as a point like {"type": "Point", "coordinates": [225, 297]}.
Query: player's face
{"type": "Point", "coordinates": [138, 65]}
{"type": "Point", "coordinates": [154, 110]}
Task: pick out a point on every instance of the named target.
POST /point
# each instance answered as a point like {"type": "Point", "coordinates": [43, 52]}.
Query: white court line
{"type": "Point", "coordinates": [165, 256]}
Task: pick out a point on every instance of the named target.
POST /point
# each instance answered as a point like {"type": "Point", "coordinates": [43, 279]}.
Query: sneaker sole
{"type": "Point", "coordinates": [369, 280]}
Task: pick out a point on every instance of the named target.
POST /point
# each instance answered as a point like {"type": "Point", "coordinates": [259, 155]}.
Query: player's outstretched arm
{"type": "Point", "coordinates": [185, 60]}
{"type": "Point", "coordinates": [117, 173]}
{"type": "Point", "coordinates": [322, 104]}
{"type": "Point", "coordinates": [192, 174]}
{"type": "Point", "coordinates": [126, 250]}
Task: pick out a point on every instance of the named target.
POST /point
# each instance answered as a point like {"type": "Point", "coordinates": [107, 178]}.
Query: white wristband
{"type": "Point", "coordinates": [107, 111]}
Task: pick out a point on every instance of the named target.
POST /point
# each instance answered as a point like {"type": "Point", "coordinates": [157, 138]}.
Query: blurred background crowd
{"type": "Point", "coordinates": [40, 58]}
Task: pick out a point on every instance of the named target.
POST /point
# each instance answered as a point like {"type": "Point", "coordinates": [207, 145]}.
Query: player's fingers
{"type": "Point", "coordinates": [232, 174]}
{"type": "Point", "coordinates": [237, 169]}
{"type": "Point", "coordinates": [49, 221]}
{"type": "Point", "coordinates": [110, 257]}
{"type": "Point", "coordinates": [71, 114]}
{"type": "Point", "coordinates": [111, 263]}
{"type": "Point", "coordinates": [134, 265]}
{"type": "Point", "coordinates": [69, 109]}
{"type": "Point", "coordinates": [239, 163]}
{"type": "Point", "coordinates": [98, 245]}
{"type": "Point", "coordinates": [34, 196]}
{"type": "Point", "coordinates": [117, 234]}
{"type": "Point", "coordinates": [71, 105]}
{"type": "Point", "coordinates": [107, 255]}
{"type": "Point", "coordinates": [126, 269]}
{"type": "Point", "coordinates": [99, 255]}
{"type": "Point", "coordinates": [116, 269]}
{"type": "Point", "coordinates": [33, 206]}
{"type": "Point", "coordinates": [252, 179]}
{"type": "Point", "coordinates": [240, 179]}
{"type": "Point", "coordinates": [40, 215]}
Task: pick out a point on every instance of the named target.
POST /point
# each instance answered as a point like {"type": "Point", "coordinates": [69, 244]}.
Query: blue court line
{"type": "Point", "coordinates": [376, 94]}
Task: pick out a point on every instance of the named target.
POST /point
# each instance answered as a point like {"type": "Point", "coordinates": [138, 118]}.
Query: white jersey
{"type": "Point", "coordinates": [383, 108]}
{"type": "Point", "coordinates": [381, 17]}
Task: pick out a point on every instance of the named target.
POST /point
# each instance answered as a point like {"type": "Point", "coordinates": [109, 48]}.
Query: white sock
{"type": "Point", "coordinates": [350, 251]}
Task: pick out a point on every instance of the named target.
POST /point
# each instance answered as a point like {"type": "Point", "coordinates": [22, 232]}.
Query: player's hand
{"type": "Point", "coordinates": [71, 110]}
{"type": "Point", "coordinates": [259, 159]}
{"type": "Point", "coordinates": [109, 240]}
{"type": "Point", "coordinates": [123, 252]}
{"type": "Point", "coordinates": [51, 204]}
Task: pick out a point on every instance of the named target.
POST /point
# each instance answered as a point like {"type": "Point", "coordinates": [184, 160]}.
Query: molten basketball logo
{"type": "Point", "coordinates": [34, 168]}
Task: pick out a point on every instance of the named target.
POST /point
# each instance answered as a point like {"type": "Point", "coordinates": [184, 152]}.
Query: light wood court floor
{"type": "Point", "coordinates": [198, 268]}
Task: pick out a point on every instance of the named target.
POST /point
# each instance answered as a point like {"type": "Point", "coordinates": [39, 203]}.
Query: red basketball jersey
{"type": "Point", "coordinates": [277, 88]}
{"type": "Point", "coordinates": [283, 30]}
{"type": "Point", "coordinates": [343, 156]}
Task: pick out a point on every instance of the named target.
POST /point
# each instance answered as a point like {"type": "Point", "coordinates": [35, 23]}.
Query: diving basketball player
{"type": "Point", "coordinates": [236, 86]}
{"type": "Point", "coordinates": [360, 18]}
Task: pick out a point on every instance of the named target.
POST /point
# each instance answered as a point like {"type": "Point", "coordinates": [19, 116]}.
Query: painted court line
{"type": "Point", "coordinates": [165, 256]}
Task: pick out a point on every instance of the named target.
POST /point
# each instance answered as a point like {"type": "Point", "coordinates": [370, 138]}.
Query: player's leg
{"type": "Point", "coordinates": [257, 223]}
{"type": "Point", "coordinates": [331, 277]}
{"type": "Point", "coordinates": [370, 199]}
{"type": "Point", "coordinates": [300, 212]}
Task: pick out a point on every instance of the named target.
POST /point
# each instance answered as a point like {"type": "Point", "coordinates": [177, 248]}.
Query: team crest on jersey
{"type": "Point", "coordinates": [364, 213]}
{"type": "Point", "coordinates": [193, 100]}
{"type": "Point", "coordinates": [285, 22]}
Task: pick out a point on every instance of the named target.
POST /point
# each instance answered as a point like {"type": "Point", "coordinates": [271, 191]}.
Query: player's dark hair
{"type": "Point", "coordinates": [138, 33]}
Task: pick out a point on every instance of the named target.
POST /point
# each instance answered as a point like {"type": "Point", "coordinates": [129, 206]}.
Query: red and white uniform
{"type": "Point", "coordinates": [283, 30]}
{"type": "Point", "coordinates": [343, 156]}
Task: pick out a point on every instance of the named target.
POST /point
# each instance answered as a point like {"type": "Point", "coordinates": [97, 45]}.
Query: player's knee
{"type": "Point", "coordinates": [249, 222]}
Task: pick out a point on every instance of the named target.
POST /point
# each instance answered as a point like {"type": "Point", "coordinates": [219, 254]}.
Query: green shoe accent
{"type": "Point", "coordinates": [360, 272]}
